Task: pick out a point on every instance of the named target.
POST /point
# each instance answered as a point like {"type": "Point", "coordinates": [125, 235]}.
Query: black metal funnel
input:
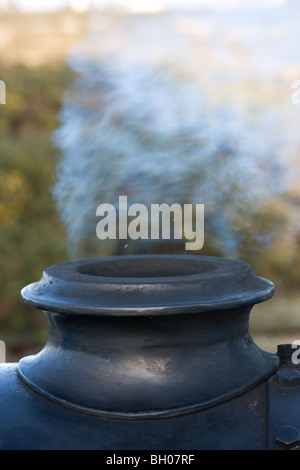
{"type": "Point", "coordinates": [140, 337]}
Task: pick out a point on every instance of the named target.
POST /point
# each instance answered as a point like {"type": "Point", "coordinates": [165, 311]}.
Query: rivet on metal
{"type": "Point", "coordinates": [287, 437]}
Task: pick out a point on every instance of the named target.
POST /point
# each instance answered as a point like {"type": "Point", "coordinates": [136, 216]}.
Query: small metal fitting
{"type": "Point", "coordinates": [285, 352]}
{"type": "Point", "coordinates": [288, 377]}
{"type": "Point", "coordinates": [287, 437]}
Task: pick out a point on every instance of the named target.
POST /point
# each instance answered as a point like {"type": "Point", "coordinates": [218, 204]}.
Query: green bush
{"type": "Point", "coordinates": [31, 235]}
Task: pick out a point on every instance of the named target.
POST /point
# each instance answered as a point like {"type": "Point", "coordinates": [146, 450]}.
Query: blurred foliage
{"type": "Point", "coordinates": [31, 236]}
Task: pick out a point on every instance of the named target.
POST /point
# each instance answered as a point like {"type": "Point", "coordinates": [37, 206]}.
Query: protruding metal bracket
{"type": "Point", "coordinates": [284, 403]}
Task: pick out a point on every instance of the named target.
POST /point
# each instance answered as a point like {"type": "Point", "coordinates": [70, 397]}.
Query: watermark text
{"type": "Point", "coordinates": [296, 93]}
{"type": "Point", "coordinates": [296, 354]}
{"type": "Point", "coordinates": [2, 351]}
{"type": "Point", "coordinates": [2, 92]}
{"type": "Point", "coordinates": [162, 221]}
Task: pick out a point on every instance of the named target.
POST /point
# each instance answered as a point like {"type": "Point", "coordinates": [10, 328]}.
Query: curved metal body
{"type": "Point", "coordinates": [146, 352]}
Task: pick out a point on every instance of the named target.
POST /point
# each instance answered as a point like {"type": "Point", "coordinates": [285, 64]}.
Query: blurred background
{"type": "Point", "coordinates": [162, 101]}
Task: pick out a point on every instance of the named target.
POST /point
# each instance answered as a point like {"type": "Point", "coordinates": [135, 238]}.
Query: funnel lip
{"type": "Point", "coordinates": [147, 284]}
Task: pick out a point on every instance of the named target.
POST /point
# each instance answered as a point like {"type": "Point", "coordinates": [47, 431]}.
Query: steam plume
{"type": "Point", "coordinates": [146, 117]}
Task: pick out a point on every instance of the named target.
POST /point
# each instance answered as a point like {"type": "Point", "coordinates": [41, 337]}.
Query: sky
{"type": "Point", "coordinates": [48, 5]}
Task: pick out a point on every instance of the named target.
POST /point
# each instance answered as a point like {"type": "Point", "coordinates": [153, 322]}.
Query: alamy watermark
{"type": "Point", "coordinates": [2, 351]}
{"type": "Point", "coordinates": [2, 92]}
{"type": "Point", "coordinates": [296, 354]}
{"type": "Point", "coordinates": [177, 221]}
{"type": "Point", "coordinates": [296, 93]}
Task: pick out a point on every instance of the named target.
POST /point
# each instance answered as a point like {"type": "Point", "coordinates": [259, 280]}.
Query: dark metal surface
{"type": "Point", "coordinates": [30, 421]}
{"type": "Point", "coordinates": [283, 402]}
{"type": "Point", "coordinates": [145, 352]}
{"type": "Point", "coordinates": [148, 284]}
{"type": "Point", "coordinates": [147, 334]}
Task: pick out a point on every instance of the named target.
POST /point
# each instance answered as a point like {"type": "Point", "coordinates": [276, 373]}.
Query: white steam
{"type": "Point", "coordinates": [147, 117]}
